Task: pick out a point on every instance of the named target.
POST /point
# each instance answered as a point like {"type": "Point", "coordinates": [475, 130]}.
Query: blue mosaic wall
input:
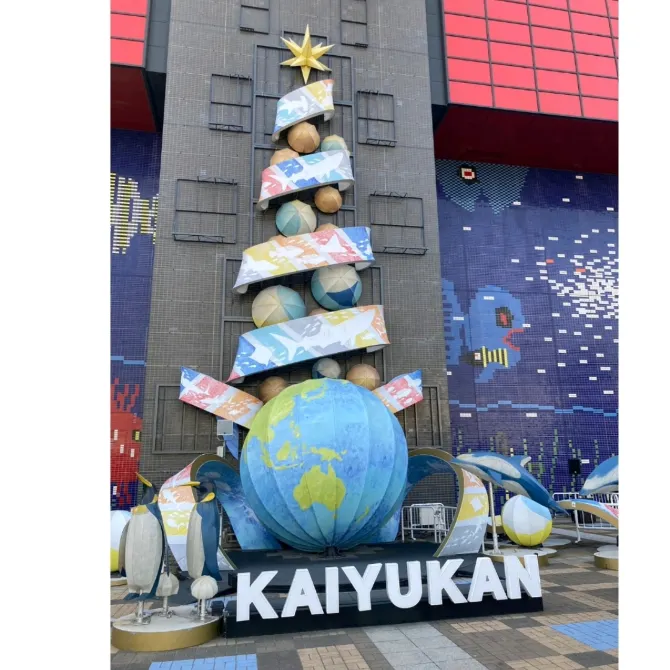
{"type": "Point", "coordinates": [133, 208]}
{"type": "Point", "coordinates": [530, 297]}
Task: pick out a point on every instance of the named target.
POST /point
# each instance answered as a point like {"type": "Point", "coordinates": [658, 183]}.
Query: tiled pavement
{"type": "Point", "coordinates": [578, 629]}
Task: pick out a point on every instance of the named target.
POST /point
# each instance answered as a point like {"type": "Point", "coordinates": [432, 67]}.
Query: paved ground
{"type": "Point", "coordinates": [578, 629]}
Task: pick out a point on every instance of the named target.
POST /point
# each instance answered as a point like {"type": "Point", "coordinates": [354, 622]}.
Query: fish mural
{"type": "Point", "coordinates": [487, 336]}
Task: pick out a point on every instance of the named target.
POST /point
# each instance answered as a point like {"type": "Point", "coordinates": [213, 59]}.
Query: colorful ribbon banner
{"type": "Point", "coordinates": [302, 104]}
{"type": "Point", "coordinates": [284, 256]}
{"type": "Point", "coordinates": [308, 338]}
{"type": "Point", "coordinates": [299, 174]}
{"type": "Point", "coordinates": [401, 392]}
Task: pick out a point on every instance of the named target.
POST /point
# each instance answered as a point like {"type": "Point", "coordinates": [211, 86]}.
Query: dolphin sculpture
{"type": "Point", "coordinates": [603, 479]}
{"type": "Point", "coordinates": [509, 473]}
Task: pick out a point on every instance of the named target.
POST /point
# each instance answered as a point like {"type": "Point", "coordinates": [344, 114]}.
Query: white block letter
{"type": "Point", "coordinates": [332, 591]}
{"type": "Point", "coordinates": [440, 579]}
{"type": "Point", "coordinates": [485, 580]}
{"type": "Point", "coordinates": [413, 595]}
{"type": "Point", "coordinates": [252, 594]}
{"type": "Point", "coordinates": [363, 585]}
{"type": "Point", "coordinates": [516, 575]}
{"type": "Point", "coordinates": [301, 594]}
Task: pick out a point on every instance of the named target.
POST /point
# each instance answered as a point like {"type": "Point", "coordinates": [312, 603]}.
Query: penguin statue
{"type": "Point", "coordinates": [144, 552]}
{"type": "Point", "coordinates": [204, 529]}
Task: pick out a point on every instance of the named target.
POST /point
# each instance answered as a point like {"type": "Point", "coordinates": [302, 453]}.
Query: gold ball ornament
{"type": "Point", "coordinates": [318, 310]}
{"type": "Point", "coordinates": [328, 200]}
{"type": "Point", "coordinates": [364, 375]}
{"type": "Point", "coordinates": [283, 155]}
{"type": "Point", "coordinates": [270, 388]}
{"type": "Point", "coordinates": [326, 226]}
{"type": "Point", "coordinates": [304, 138]}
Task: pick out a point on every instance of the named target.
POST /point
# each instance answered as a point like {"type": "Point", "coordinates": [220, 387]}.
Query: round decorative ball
{"type": "Point", "coordinates": [295, 218]}
{"type": "Point", "coordinates": [304, 138]}
{"type": "Point", "coordinates": [334, 143]}
{"type": "Point", "coordinates": [326, 226]}
{"type": "Point", "coordinates": [270, 388]}
{"type": "Point", "coordinates": [328, 200]}
{"type": "Point", "coordinates": [283, 155]}
{"type": "Point", "coordinates": [526, 522]}
{"type": "Point", "coordinates": [168, 585]}
{"type": "Point", "coordinates": [318, 310]}
{"type": "Point", "coordinates": [204, 588]}
{"type": "Point", "coordinates": [316, 497]}
{"type": "Point", "coordinates": [326, 367]}
{"type": "Point", "coordinates": [336, 287]}
{"type": "Point", "coordinates": [118, 520]}
{"type": "Point", "coordinates": [364, 375]}
{"type": "Point", "coordinates": [277, 304]}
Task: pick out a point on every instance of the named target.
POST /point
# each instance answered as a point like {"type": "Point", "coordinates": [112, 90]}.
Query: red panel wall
{"type": "Point", "coordinates": [128, 31]}
{"type": "Point", "coordinates": [547, 56]}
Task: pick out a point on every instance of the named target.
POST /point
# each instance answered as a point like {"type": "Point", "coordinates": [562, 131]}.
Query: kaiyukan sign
{"type": "Point", "coordinates": [439, 577]}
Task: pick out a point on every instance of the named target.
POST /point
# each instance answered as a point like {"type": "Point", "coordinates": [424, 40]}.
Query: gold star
{"type": "Point", "coordinates": [306, 56]}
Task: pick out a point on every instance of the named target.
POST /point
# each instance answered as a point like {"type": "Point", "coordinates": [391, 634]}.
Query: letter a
{"type": "Point", "coordinates": [485, 580]}
{"type": "Point", "coordinates": [252, 594]}
{"type": "Point", "coordinates": [301, 594]}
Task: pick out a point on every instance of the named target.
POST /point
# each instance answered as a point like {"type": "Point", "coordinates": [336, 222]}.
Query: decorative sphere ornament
{"type": "Point", "coordinates": [328, 200]}
{"type": "Point", "coordinates": [277, 304]}
{"type": "Point", "coordinates": [304, 138]}
{"type": "Point", "coordinates": [326, 367]}
{"type": "Point", "coordinates": [326, 226]}
{"type": "Point", "coordinates": [334, 143]}
{"type": "Point", "coordinates": [118, 520]}
{"type": "Point", "coordinates": [295, 218]}
{"type": "Point", "coordinates": [204, 588]}
{"type": "Point", "coordinates": [271, 387]}
{"type": "Point", "coordinates": [364, 375]}
{"type": "Point", "coordinates": [526, 522]}
{"type": "Point", "coordinates": [283, 155]}
{"type": "Point", "coordinates": [336, 287]}
{"type": "Point", "coordinates": [324, 465]}
{"type": "Point", "coordinates": [318, 310]}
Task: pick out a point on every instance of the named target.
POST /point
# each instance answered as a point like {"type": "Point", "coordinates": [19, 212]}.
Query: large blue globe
{"type": "Point", "coordinates": [324, 465]}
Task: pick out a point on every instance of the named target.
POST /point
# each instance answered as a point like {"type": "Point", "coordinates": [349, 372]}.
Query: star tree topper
{"type": "Point", "coordinates": [306, 56]}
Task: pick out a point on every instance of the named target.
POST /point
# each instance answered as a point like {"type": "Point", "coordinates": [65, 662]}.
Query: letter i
{"type": "Point", "coordinates": [332, 591]}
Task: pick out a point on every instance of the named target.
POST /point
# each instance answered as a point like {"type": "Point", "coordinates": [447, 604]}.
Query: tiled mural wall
{"type": "Point", "coordinates": [133, 208]}
{"type": "Point", "coordinates": [530, 297]}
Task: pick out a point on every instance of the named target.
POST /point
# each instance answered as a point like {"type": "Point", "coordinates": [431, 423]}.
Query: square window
{"type": "Point", "coordinates": [511, 54]}
{"type": "Point", "coordinates": [470, 94]}
{"type": "Point", "coordinates": [590, 44]}
{"type": "Point", "coordinates": [551, 18]}
{"type": "Point", "coordinates": [464, 26]}
{"type": "Point", "coordinates": [613, 7]}
{"type": "Point", "coordinates": [464, 47]}
{"type": "Point", "coordinates": [469, 7]}
{"type": "Point", "coordinates": [510, 75]}
{"type": "Point", "coordinates": [556, 4]}
{"type": "Point", "coordinates": [589, 6]}
{"type": "Point", "coordinates": [599, 86]}
{"type": "Point", "coordinates": [596, 65]}
{"type": "Point", "coordinates": [586, 23]}
{"type": "Point", "coordinates": [515, 98]}
{"type": "Point", "coordinates": [556, 103]}
{"type": "Point", "coordinates": [553, 39]}
{"type": "Point", "coordinates": [596, 108]}
{"type": "Point", "coordinates": [555, 60]}
{"type": "Point", "coordinates": [559, 82]}
{"type": "Point", "coordinates": [464, 70]}
{"type": "Point", "coordinates": [506, 11]}
{"type": "Point", "coordinates": [509, 32]}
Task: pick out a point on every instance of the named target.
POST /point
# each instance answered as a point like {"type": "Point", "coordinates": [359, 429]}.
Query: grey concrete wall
{"type": "Point", "coordinates": [205, 38]}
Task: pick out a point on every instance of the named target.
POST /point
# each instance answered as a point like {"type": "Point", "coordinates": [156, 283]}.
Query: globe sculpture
{"type": "Point", "coordinates": [295, 218]}
{"type": "Point", "coordinates": [326, 367]}
{"type": "Point", "coordinates": [277, 304]}
{"type": "Point", "coordinates": [364, 375]}
{"type": "Point", "coordinates": [336, 287]}
{"type": "Point", "coordinates": [314, 472]}
{"type": "Point", "coordinates": [333, 143]}
{"type": "Point", "coordinates": [526, 522]}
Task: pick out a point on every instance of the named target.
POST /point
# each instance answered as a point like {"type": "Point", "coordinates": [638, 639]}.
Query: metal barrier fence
{"type": "Point", "coordinates": [585, 520]}
{"type": "Point", "coordinates": [427, 519]}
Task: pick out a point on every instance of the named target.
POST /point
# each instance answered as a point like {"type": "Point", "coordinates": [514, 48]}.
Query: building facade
{"type": "Point", "coordinates": [486, 223]}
